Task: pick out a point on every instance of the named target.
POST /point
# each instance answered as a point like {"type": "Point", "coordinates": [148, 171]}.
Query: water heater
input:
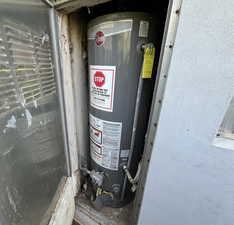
{"type": "Point", "coordinates": [119, 100]}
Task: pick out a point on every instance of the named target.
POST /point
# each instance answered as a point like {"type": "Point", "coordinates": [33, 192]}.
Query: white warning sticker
{"type": "Point", "coordinates": [144, 28]}
{"type": "Point", "coordinates": [102, 85]}
{"type": "Point", "coordinates": [105, 138]}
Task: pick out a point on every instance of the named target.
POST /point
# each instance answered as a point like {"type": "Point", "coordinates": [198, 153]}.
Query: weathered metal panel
{"type": "Point", "coordinates": [190, 181]}
{"type": "Point", "coordinates": [170, 30]}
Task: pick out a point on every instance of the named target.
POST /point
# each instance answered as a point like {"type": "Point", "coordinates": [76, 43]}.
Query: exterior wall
{"type": "Point", "coordinates": [190, 181]}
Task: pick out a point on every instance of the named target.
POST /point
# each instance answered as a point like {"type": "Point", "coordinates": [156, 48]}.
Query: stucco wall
{"type": "Point", "coordinates": [190, 181]}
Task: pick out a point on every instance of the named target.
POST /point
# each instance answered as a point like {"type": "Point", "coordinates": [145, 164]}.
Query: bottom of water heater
{"type": "Point", "coordinates": [104, 201]}
{"type": "Point", "coordinates": [86, 214]}
{"type": "Point", "coordinates": [101, 198]}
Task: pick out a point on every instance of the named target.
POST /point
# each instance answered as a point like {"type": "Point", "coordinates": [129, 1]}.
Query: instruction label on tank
{"type": "Point", "coordinates": [102, 83]}
{"type": "Point", "coordinates": [143, 29]}
{"type": "Point", "coordinates": [105, 138]}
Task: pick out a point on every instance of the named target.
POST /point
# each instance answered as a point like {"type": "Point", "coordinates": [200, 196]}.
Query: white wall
{"type": "Point", "coordinates": [78, 31]}
{"type": "Point", "coordinates": [190, 181]}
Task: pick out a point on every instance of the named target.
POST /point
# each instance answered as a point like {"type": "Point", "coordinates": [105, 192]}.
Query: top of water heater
{"type": "Point", "coordinates": [120, 16]}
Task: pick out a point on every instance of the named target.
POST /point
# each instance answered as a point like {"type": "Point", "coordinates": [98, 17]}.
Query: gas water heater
{"type": "Point", "coordinates": [120, 98]}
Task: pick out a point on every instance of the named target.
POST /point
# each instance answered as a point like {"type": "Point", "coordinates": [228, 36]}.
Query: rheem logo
{"type": "Point", "coordinates": [99, 38]}
{"type": "Point", "coordinates": [99, 79]}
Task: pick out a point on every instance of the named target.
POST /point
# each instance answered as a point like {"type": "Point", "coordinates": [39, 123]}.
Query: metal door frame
{"type": "Point", "coordinates": [170, 30]}
{"type": "Point", "coordinates": [60, 81]}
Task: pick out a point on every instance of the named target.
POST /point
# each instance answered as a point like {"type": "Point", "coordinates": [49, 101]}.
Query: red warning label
{"type": "Point", "coordinates": [96, 134]}
{"type": "Point", "coordinates": [102, 83]}
{"type": "Point", "coordinates": [99, 79]}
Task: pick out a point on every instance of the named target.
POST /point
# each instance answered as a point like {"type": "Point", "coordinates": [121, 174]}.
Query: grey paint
{"type": "Point", "coordinates": [190, 181]}
{"type": "Point", "coordinates": [121, 50]}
